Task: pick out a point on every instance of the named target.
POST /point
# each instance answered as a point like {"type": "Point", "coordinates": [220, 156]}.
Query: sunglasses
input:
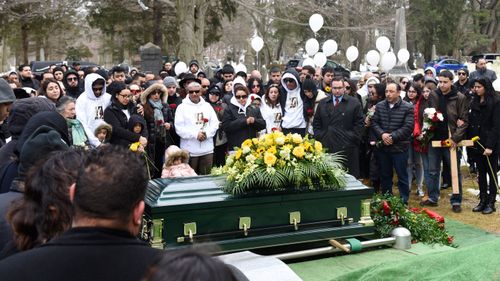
{"type": "Point", "coordinates": [72, 79]}
{"type": "Point", "coordinates": [126, 96]}
{"type": "Point", "coordinates": [156, 93]}
{"type": "Point", "coordinates": [288, 80]}
{"type": "Point", "coordinates": [404, 82]}
{"type": "Point", "coordinates": [254, 86]}
{"type": "Point", "coordinates": [462, 73]}
{"type": "Point", "coordinates": [205, 86]}
{"type": "Point", "coordinates": [241, 97]}
{"type": "Point", "coordinates": [194, 92]}
{"type": "Point", "coordinates": [135, 91]}
{"type": "Point", "coordinates": [97, 89]}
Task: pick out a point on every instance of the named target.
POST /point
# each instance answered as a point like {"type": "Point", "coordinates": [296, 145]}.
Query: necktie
{"type": "Point", "coordinates": [336, 101]}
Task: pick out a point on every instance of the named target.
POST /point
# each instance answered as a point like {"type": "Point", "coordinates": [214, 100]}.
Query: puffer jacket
{"type": "Point", "coordinates": [397, 121]}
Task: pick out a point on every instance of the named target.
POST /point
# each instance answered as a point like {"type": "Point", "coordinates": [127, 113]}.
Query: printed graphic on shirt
{"type": "Point", "coordinates": [199, 119]}
{"type": "Point", "coordinates": [293, 102]}
{"type": "Point", "coordinates": [99, 112]}
{"type": "Point", "coordinates": [277, 117]}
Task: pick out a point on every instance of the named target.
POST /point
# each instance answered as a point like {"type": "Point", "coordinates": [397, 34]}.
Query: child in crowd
{"type": "Point", "coordinates": [176, 163]}
{"type": "Point", "coordinates": [103, 132]}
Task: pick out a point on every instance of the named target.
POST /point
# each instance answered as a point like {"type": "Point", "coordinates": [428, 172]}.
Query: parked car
{"type": "Point", "coordinates": [39, 67]}
{"type": "Point", "coordinates": [338, 68]}
{"type": "Point", "coordinates": [490, 57]}
{"type": "Point", "coordinates": [446, 64]}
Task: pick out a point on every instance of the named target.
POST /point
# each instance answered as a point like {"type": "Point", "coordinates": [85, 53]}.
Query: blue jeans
{"type": "Point", "coordinates": [433, 183]}
{"type": "Point", "coordinates": [389, 161]}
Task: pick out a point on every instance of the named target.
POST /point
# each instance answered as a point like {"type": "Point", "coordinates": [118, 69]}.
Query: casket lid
{"type": "Point", "coordinates": [183, 193]}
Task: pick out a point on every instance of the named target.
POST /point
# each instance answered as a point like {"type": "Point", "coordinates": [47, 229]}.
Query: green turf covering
{"type": "Point", "coordinates": [475, 258]}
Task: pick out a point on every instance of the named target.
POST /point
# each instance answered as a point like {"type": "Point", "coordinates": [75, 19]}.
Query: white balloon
{"type": "Point", "coordinates": [308, 61]}
{"type": "Point", "coordinates": [312, 47]}
{"type": "Point", "coordinates": [329, 47]}
{"type": "Point", "coordinates": [240, 67]}
{"type": "Point", "coordinates": [257, 43]}
{"type": "Point", "coordinates": [320, 59]}
{"type": "Point", "coordinates": [383, 44]}
{"type": "Point", "coordinates": [316, 22]}
{"type": "Point", "coordinates": [372, 57]}
{"type": "Point", "coordinates": [388, 61]}
{"type": "Point", "coordinates": [352, 53]}
{"type": "Point", "coordinates": [403, 55]}
{"type": "Point", "coordinates": [180, 67]}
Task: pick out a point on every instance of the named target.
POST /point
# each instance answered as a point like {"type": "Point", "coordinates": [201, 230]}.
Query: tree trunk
{"type": "Point", "coordinates": [199, 30]}
{"type": "Point", "coordinates": [157, 18]}
{"type": "Point", "coordinates": [24, 41]}
{"type": "Point", "coordinates": [185, 19]}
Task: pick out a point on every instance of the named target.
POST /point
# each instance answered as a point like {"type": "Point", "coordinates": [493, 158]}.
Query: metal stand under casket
{"type": "Point", "coordinates": [186, 211]}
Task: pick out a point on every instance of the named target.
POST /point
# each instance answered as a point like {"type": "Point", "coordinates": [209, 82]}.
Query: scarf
{"type": "Point", "coordinates": [157, 107]}
{"type": "Point", "coordinates": [77, 132]}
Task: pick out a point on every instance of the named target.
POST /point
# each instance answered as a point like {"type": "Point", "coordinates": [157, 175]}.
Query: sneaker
{"type": "Point", "coordinates": [428, 203]}
{"type": "Point", "coordinates": [420, 192]}
{"type": "Point", "coordinates": [445, 186]}
{"type": "Point", "coordinates": [456, 208]}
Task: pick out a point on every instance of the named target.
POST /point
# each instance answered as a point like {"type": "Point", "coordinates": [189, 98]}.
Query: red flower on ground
{"type": "Point", "coordinates": [386, 208]}
{"type": "Point", "coordinates": [450, 239]}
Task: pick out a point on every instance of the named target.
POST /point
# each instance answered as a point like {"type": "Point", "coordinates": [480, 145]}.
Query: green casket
{"type": "Point", "coordinates": [185, 211]}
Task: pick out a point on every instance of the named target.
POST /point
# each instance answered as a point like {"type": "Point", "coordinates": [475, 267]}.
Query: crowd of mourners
{"type": "Point", "coordinates": [77, 130]}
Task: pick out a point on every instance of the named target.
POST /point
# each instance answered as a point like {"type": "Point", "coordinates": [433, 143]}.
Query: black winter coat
{"type": "Point", "coordinates": [397, 121]}
{"type": "Point", "coordinates": [338, 128]}
{"type": "Point", "coordinates": [484, 121]}
{"type": "Point", "coordinates": [114, 116]}
{"type": "Point", "coordinates": [236, 127]}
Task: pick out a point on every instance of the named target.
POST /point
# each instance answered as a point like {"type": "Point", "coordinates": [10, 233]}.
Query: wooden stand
{"type": "Point", "coordinates": [453, 161]}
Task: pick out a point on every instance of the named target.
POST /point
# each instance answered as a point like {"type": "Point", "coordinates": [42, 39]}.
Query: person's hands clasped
{"type": "Point", "coordinates": [387, 139]}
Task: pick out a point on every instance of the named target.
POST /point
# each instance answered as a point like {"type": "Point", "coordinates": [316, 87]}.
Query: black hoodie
{"type": "Point", "coordinates": [73, 92]}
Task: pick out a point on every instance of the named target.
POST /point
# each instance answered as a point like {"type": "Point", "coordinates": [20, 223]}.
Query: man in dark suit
{"type": "Point", "coordinates": [102, 244]}
{"type": "Point", "coordinates": [338, 123]}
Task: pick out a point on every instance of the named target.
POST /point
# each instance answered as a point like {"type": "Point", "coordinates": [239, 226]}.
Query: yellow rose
{"type": "Point", "coordinates": [134, 146]}
{"type": "Point", "coordinates": [272, 150]}
{"type": "Point", "coordinates": [296, 138]}
{"type": "Point", "coordinates": [247, 143]}
{"type": "Point", "coordinates": [307, 146]}
{"type": "Point", "coordinates": [260, 150]}
{"type": "Point", "coordinates": [255, 141]}
{"type": "Point", "coordinates": [318, 146]}
{"type": "Point", "coordinates": [298, 151]}
{"type": "Point", "coordinates": [238, 153]}
{"type": "Point", "coordinates": [280, 140]}
{"type": "Point", "coordinates": [269, 159]}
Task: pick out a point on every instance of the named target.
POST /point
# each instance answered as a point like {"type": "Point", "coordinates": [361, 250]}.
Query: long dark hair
{"type": "Point", "coordinates": [266, 96]}
{"type": "Point", "coordinates": [45, 84]}
{"type": "Point", "coordinates": [417, 89]}
{"type": "Point", "coordinates": [250, 85]}
{"type": "Point", "coordinates": [489, 91]}
{"type": "Point", "coordinates": [45, 210]}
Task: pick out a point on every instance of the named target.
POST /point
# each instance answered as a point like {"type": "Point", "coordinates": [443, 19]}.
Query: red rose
{"type": "Point", "coordinates": [159, 122]}
{"type": "Point", "coordinates": [310, 111]}
{"type": "Point", "coordinates": [173, 106]}
{"type": "Point", "coordinates": [205, 120]}
{"type": "Point", "coordinates": [435, 118]}
{"type": "Point", "coordinates": [386, 208]}
{"type": "Point", "coordinates": [253, 98]}
{"type": "Point", "coordinates": [274, 129]}
{"type": "Point", "coordinates": [218, 108]}
{"type": "Point", "coordinates": [450, 239]}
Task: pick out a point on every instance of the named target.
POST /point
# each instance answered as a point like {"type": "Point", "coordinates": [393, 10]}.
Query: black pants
{"type": "Point", "coordinates": [487, 190]}
{"type": "Point", "coordinates": [300, 131]}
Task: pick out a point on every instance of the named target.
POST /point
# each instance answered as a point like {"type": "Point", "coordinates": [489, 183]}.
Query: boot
{"type": "Point", "coordinates": [489, 208]}
{"type": "Point", "coordinates": [482, 204]}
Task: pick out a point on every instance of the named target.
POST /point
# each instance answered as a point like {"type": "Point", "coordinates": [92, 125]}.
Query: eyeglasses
{"type": "Point", "coordinates": [241, 97]}
{"type": "Point", "coordinates": [72, 79]}
{"type": "Point", "coordinates": [194, 92]}
{"type": "Point", "coordinates": [462, 73]}
{"type": "Point", "coordinates": [125, 96]}
{"type": "Point", "coordinates": [254, 86]}
{"type": "Point", "coordinates": [289, 80]}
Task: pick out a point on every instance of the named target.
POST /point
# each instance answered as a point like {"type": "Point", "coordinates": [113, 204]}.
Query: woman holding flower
{"type": "Point", "coordinates": [220, 139]}
{"type": "Point", "coordinates": [241, 120]}
{"type": "Point", "coordinates": [413, 94]}
{"type": "Point", "coordinates": [484, 122]}
{"type": "Point", "coordinates": [160, 123]}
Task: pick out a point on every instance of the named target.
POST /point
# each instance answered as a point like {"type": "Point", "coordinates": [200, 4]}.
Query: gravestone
{"type": "Point", "coordinates": [150, 57]}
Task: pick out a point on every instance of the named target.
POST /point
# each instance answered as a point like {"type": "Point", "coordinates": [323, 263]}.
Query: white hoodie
{"type": "Point", "coordinates": [189, 122]}
{"type": "Point", "coordinates": [90, 110]}
{"type": "Point", "coordinates": [294, 107]}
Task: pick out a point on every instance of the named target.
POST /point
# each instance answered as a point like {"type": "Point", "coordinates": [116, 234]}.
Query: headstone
{"type": "Point", "coordinates": [150, 57]}
{"type": "Point", "coordinates": [400, 42]}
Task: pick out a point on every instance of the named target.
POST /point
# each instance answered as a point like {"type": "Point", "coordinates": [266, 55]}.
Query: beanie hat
{"type": "Point", "coordinates": [22, 110]}
{"type": "Point", "coordinates": [194, 62]}
{"type": "Point", "coordinates": [227, 69]}
{"type": "Point", "coordinates": [6, 92]}
{"type": "Point", "coordinates": [169, 81]}
{"type": "Point", "coordinates": [428, 79]}
{"type": "Point", "coordinates": [36, 148]}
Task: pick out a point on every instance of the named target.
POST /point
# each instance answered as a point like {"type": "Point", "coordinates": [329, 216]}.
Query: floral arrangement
{"type": "Point", "coordinates": [276, 162]}
{"type": "Point", "coordinates": [425, 226]}
{"type": "Point", "coordinates": [431, 118]}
